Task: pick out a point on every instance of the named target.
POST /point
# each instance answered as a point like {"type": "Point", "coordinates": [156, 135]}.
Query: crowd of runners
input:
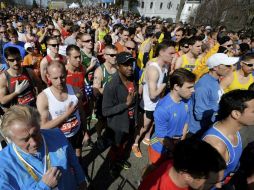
{"type": "Point", "coordinates": [184, 91]}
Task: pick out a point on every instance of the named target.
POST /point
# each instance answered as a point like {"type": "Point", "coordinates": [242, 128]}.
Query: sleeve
{"type": "Point", "coordinates": [161, 122]}
{"type": "Point", "coordinates": [200, 102]}
{"type": "Point", "coordinates": [8, 183]}
{"type": "Point", "coordinates": [80, 176]}
{"type": "Point", "coordinates": [25, 61]}
{"type": "Point", "coordinates": [108, 107]}
{"type": "Point", "coordinates": [201, 109]}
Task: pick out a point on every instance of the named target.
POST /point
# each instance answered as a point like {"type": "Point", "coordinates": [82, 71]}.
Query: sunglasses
{"type": "Point", "coordinates": [229, 45]}
{"type": "Point", "coordinates": [86, 41]}
{"type": "Point", "coordinates": [111, 55]}
{"type": "Point", "coordinates": [83, 27]}
{"type": "Point", "coordinates": [54, 45]}
{"type": "Point", "coordinates": [19, 26]}
{"type": "Point", "coordinates": [57, 36]}
{"type": "Point", "coordinates": [228, 66]}
{"type": "Point", "coordinates": [248, 64]}
{"type": "Point", "coordinates": [1, 32]}
{"type": "Point", "coordinates": [15, 59]}
{"type": "Point", "coordinates": [130, 48]}
{"type": "Point", "coordinates": [186, 46]}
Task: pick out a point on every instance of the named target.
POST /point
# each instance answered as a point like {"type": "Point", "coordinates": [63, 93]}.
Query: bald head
{"type": "Point", "coordinates": [55, 65]}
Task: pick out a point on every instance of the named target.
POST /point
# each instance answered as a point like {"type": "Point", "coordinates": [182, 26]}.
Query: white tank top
{"type": "Point", "coordinates": [56, 108]}
{"type": "Point", "coordinates": [146, 103]}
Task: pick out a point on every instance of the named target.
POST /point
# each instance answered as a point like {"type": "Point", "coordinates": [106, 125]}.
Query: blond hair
{"type": "Point", "coordinates": [21, 113]}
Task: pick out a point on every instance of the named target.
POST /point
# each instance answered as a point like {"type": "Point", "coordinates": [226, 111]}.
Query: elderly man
{"type": "Point", "coordinates": [36, 159]}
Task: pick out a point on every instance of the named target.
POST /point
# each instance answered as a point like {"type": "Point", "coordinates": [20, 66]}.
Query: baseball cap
{"type": "Point", "coordinates": [124, 57]}
{"type": "Point", "coordinates": [208, 28]}
{"type": "Point", "coordinates": [221, 59]}
{"type": "Point", "coordinates": [28, 45]}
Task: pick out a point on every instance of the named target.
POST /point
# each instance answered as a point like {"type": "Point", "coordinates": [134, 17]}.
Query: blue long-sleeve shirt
{"type": "Point", "coordinates": [13, 174]}
{"type": "Point", "coordinates": [205, 103]}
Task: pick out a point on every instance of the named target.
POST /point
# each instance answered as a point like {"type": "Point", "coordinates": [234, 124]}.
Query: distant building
{"type": "Point", "coordinates": [189, 8]}
{"type": "Point", "coordinates": [167, 8]}
{"type": "Point", "coordinates": [43, 3]}
{"type": "Point", "coordinates": [161, 8]}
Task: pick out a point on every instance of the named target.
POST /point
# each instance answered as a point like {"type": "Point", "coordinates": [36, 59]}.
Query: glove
{"type": "Point", "coordinates": [19, 88]}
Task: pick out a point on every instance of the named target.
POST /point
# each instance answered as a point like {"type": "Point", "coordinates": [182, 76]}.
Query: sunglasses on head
{"type": "Point", "coordinates": [248, 64]}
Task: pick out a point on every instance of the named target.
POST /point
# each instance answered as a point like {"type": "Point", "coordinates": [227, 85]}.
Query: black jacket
{"type": "Point", "coordinates": [114, 104]}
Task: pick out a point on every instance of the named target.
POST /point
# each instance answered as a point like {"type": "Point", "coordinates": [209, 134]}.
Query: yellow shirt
{"type": "Point", "coordinates": [202, 68]}
{"type": "Point", "coordinates": [187, 65]}
{"type": "Point", "coordinates": [140, 63]}
{"type": "Point", "coordinates": [235, 84]}
{"type": "Point", "coordinates": [161, 38]}
{"type": "Point", "coordinates": [102, 33]}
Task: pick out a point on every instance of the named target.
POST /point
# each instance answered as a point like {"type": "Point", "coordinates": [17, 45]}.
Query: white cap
{"type": "Point", "coordinates": [28, 45]}
{"type": "Point", "coordinates": [208, 28]}
{"type": "Point", "coordinates": [221, 59]}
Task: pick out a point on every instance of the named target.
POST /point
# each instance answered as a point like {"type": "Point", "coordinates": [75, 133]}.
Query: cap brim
{"type": "Point", "coordinates": [127, 60]}
{"type": "Point", "coordinates": [231, 61]}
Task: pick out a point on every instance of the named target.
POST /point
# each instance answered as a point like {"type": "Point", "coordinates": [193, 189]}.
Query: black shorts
{"type": "Point", "coordinates": [98, 108]}
{"type": "Point", "coordinates": [149, 114]}
{"type": "Point", "coordinates": [76, 140]}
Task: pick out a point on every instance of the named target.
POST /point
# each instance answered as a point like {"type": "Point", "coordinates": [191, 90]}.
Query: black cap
{"type": "Point", "coordinates": [124, 57]}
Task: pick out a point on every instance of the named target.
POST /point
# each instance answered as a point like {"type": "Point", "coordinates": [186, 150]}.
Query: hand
{"type": "Point", "coordinates": [148, 47]}
{"type": "Point", "coordinates": [130, 98]}
{"type": "Point", "coordinates": [93, 61]}
{"type": "Point", "coordinates": [71, 108]}
{"type": "Point", "coordinates": [19, 88]}
{"type": "Point", "coordinates": [51, 177]}
{"type": "Point", "coordinates": [34, 60]}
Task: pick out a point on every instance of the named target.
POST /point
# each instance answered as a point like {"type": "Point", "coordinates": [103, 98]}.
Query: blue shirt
{"type": "Point", "coordinates": [169, 118]}
{"type": "Point", "coordinates": [205, 103]}
{"type": "Point", "coordinates": [234, 152]}
{"type": "Point", "coordinates": [13, 174]}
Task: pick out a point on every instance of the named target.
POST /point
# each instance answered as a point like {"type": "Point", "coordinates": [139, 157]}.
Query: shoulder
{"type": "Point", "coordinates": [3, 78]}
{"type": "Point", "coordinates": [42, 98]}
{"type": "Point", "coordinates": [217, 143]}
{"type": "Point", "coordinates": [54, 137]}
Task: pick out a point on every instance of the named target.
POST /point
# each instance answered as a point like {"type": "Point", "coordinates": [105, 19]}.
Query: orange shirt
{"type": "Point", "coordinates": [119, 47]}
{"type": "Point", "coordinates": [28, 59]}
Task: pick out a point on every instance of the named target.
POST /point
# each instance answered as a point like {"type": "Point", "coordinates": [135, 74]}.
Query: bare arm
{"type": "Point", "coordinates": [152, 76]}
{"type": "Point", "coordinates": [4, 96]}
{"type": "Point", "coordinates": [42, 106]}
{"type": "Point", "coordinates": [218, 145]}
{"type": "Point", "coordinates": [82, 112]}
{"type": "Point", "coordinates": [98, 77]}
{"type": "Point", "coordinates": [179, 62]}
{"type": "Point", "coordinates": [43, 69]}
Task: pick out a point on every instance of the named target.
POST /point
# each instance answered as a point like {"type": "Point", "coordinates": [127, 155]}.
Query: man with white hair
{"type": "Point", "coordinates": [36, 159]}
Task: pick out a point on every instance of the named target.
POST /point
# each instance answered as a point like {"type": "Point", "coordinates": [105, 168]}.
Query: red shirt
{"type": "Point", "coordinates": [76, 79]}
{"type": "Point", "coordinates": [159, 179]}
